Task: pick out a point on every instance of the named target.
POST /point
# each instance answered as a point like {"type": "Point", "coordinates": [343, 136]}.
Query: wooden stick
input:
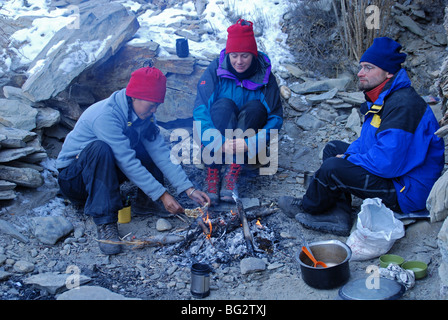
{"type": "Point", "coordinates": [246, 230]}
{"type": "Point", "coordinates": [153, 241]}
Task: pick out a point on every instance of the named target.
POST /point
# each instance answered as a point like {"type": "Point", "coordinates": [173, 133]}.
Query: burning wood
{"type": "Point", "coordinates": [148, 242]}
{"type": "Point", "coordinates": [214, 228]}
{"type": "Point", "coordinates": [197, 212]}
{"type": "Point", "coordinates": [246, 230]}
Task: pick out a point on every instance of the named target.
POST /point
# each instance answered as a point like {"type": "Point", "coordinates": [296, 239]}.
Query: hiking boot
{"type": "Point", "coordinates": [212, 182]}
{"type": "Point", "coordinates": [229, 183]}
{"type": "Point", "coordinates": [108, 231]}
{"type": "Point", "coordinates": [290, 205]}
{"type": "Point", "coordinates": [335, 221]}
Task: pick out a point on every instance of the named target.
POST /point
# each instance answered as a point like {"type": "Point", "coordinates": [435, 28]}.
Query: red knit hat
{"type": "Point", "coordinates": [241, 38]}
{"type": "Point", "coordinates": [148, 84]}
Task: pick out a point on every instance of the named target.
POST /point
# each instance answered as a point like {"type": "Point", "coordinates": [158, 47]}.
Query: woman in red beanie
{"type": "Point", "coordinates": [237, 91]}
{"type": "Point", "coordinates": [117, 139]}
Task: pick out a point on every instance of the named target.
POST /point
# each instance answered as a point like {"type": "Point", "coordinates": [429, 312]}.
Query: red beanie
{"type": "Point", "coordinates": [241, 38]}
{"type": "Point", "coordinates": [148, 84]}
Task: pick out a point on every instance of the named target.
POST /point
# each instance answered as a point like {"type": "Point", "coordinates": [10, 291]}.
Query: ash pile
{"type": "Point", "coordinates": [225, 234]}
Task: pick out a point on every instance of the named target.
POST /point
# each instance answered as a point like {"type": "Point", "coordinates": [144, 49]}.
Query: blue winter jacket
{"type": "Point", "coordinates": [218, 82]}
{"type": "Point", "coordinates": [398, 142]}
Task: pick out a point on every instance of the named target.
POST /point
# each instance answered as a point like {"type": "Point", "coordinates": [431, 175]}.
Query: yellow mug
{"type": "Point", "coordinates": [124, 215]}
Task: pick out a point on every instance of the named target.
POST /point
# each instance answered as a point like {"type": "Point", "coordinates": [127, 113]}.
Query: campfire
{"type": "Point", "coordinates": [216, 236]}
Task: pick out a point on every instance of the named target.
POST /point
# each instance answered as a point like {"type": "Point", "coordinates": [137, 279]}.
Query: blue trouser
{"type": "Point", "coordinates": [338, 178]}
{"type": "Point", "coordinates": [93, 179]}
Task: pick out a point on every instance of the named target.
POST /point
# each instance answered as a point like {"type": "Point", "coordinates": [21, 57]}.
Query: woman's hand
{"type": "Point", "coordinates": [235, 146]}
{"type": "Point", "coordinates": [197, 195]}
{"type": "Point", "coordinates": [171, 204]}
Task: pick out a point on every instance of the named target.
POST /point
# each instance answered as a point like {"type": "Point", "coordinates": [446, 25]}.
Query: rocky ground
{"type": "Point", "coordinates": [161, 273]}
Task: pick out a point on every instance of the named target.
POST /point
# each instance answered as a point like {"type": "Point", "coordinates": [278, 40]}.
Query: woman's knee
{"type": "Point", "coordinates": [255, 106]}
{"type": "Point", "coordinates": [98, 152]}
{"type": "Point", "coordinates": [224, 105]}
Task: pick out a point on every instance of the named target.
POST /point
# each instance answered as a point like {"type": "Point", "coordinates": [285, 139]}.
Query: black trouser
{"type": "Point", "coordinates": [226, 115]}
{"type": "Point", "coordinates": [93, 179]}
{"type": "Point", "coordinates": [337, 179]}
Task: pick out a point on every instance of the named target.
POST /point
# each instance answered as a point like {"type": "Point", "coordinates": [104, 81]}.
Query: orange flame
{"type": "Point", "coordinates": [259, 225]}
{"type": "Point", "coordinates": [207, 221]}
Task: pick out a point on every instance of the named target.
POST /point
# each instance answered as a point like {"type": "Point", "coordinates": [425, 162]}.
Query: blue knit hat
{"type": "Point", "coordinates": [385, 53]}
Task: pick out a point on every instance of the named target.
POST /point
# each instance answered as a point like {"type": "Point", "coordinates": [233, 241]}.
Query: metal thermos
{"type": "Point", "coordinates": [182, 49]}
{"type": "Point", "coordinates": [200, 280]}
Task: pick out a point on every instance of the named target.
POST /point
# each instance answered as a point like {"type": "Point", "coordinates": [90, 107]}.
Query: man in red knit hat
{"type": "Point", "coordinates": [237, 91]}
{"type": "Point", "coordinates": [117, 139]}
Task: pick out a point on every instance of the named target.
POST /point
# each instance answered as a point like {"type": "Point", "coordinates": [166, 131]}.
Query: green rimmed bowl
{"type": "Point", "coordinates": [420, 268]}
{"type": "Point", "coordinates": [387, 259]}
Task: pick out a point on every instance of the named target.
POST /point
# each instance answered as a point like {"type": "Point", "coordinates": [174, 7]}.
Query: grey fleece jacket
{"type": "Point", "coordinates": [106, 120]}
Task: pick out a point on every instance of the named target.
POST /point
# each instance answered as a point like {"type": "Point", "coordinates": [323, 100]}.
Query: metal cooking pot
{"type": "Point", "coordinates": [335, 254]}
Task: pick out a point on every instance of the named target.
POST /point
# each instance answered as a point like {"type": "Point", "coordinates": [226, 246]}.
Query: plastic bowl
{"type": "Point", "coordinates": [420, 268]}
{"type": "Point", "coordinates": [387, 259]}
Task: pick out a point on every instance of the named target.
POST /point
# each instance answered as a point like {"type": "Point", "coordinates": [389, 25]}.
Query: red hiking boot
{"type": "Point", "coordinates": [229, 183]}
{"type": "Point", "coordinates": [212, 182]}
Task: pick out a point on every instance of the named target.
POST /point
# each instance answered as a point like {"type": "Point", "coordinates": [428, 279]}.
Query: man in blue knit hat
{"type": "Point", "coordinates": [397, 157]}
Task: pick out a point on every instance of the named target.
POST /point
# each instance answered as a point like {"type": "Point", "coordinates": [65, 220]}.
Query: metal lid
{"type": "Point", "coordinates": [386, 289]}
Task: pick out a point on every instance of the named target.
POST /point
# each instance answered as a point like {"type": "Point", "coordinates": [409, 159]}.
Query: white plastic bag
{"type": "Point", "coordinates": [376, 231]}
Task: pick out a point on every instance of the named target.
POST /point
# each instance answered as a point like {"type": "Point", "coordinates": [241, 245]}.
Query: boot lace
{"type": "Point", "coordinates": [232, 176]}
{"type": "Point", "coordinates": [212, 180]}
{"type": "Point", "coordinates": [109, 231]}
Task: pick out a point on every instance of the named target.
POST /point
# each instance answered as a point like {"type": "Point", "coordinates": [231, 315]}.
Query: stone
{"type": "Point", "coordinates": [50, 229]}
{"type": "Point", "coordinates": [19, 134]}
{"type": "Point", "coordinates": [104, 27]}
{"type": "Point", "coordinates": [294, 70]}
{"type": "Point", "coordinates": [299, 103]}
{"type": "Point", "coordinates": [308, 122]}
{"type": "Point", "coordinates": [163, 225]}
{"type": "Point", "coordinates": [4, 275]}
{"type": "Point", "coordinates": [91, 293]}
{"type": "Point", "coordinates": [47, 117]}
{"type": "Point", "coordinates": [23, 266]}
{"type": "Point", "coordinates": [8, 195]}
{"type": "Point", "coordinates": [6, 185]}
{"type": "Point", "coordinates": [14, 113]}
{"type": "Point", "coordinates": [436, 201]}
{"type": "Point", "coordinates": [14, 93]}
{"type": "Point", "coordinates": [10, 229]}
{"type": "Point", "coordinates": [322, 97]}
{"type": "Point", "coordinates": [320, 85]}
{"type": "Point", "coordinates": [55, 282]}
{"type": "Point", "coordinates": [251, 265]}
{"type": "Point", "coordinates": [355, 98]}
{"type": "Point", "coordinates": [411, 25]}
{"type": "Point", "coordinates": [25, 177]}
{"type": "Point", "coordinates": [285, 92]}
{"type": "Point", "coordinates": [174, 64]}
{"type": "Point", "coordinates": [354, 122]}
{"type": "Point", "coordinates": [7, 155]}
